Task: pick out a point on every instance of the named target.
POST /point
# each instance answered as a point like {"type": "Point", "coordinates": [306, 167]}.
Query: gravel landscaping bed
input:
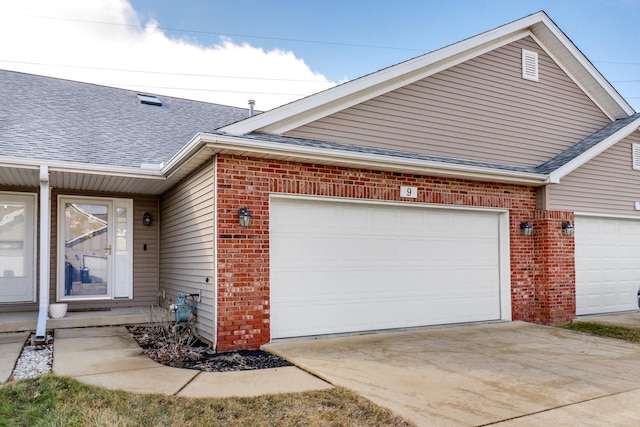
{"type": "Point", "coordinates": [34, 361]}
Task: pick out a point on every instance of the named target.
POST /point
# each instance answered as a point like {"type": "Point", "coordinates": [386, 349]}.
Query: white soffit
{"type": "Point", "coordinates": [580, 69]}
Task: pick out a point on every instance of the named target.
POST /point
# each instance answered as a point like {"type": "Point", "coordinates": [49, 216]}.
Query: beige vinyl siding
{"type": "Point", "coordinates": [145, 263]}
{"type": "Point", "coordinates": [607, 184]}
{"type": "Point", "coordinates": [146, 273]}
{"type": "Point", "coordinates": [481, 109]}
{"type": "Point", "coordinates": [187, 242]}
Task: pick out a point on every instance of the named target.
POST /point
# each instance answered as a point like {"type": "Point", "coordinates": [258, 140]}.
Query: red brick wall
{"type": "Point", "coordinates": [555, 277]}
{"type": "Point", "coordinates": [243, 254]}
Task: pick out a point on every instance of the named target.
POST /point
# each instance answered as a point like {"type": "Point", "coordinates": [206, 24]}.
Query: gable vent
{"type": "Point", "coordinates": [529, 65]}
{"type": "Point", "coordinates": [636, 156]}
{"type": "Point", "coordinates": [149, 99]}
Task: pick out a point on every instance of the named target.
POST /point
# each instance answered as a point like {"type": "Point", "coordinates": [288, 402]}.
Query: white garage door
{"type": "Point", "coordinates": [345, 267]}
{"type": "Point", "coordinates": [607, 264]}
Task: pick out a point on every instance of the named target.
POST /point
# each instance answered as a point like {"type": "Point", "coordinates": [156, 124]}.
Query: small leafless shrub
{"type": "Point", "coordinates": [164, 340]}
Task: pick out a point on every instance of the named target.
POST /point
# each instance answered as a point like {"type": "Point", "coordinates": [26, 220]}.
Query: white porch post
{"type": "Point", "coordinates": [45, 232]}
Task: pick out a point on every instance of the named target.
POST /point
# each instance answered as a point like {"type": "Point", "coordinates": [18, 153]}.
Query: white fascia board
{"type": "Point", "coordinates": [558, 174]}
{"type": "Point", "coordinates": [192, 148]}
{"type": "Point", "coordinates": [385, 80]}
{"type": "Point", "coordinates": [586, 64]}
{"type": "Point", "coordinates": [575, 80]}
{"type": "Point", "coordinates": [82, 168]}
{"type": "Point", "coordinates": [371, 161]}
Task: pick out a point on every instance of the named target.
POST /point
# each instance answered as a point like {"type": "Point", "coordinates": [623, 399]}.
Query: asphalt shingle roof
{"type": "Point", "coordinates": [589, 142]}
{"type": "Point", "coordinates": [382, 152]}
{"type": "Point", "coordinates": [53, 119]}
{"type": "Point", "coordinates": [545, 168]}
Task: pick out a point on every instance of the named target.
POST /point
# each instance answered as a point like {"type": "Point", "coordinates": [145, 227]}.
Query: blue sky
{"type": "Point", "coordinates": [328, 40]}
{"type": "Point", "coordinates": [606, 31]}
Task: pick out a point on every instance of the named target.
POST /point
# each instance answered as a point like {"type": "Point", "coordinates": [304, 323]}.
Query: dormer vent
{"type": "Point", "coordinates": [635, 155]}
{"type": "Point", "coordinates": [529, 65]}
{"type": "Point", "coordinates": [149, 100]}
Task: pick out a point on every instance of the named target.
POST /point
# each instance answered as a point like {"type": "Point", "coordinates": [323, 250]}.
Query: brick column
{"type": "Point", "coordinates": [555, 274]}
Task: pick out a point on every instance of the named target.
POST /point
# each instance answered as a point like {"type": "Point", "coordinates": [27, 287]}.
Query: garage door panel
{"type": "Point", "coordinates": [475, 251]}
{"type": "Point", "coordinates": [387, 267]}
{"type": "Point", "coordinates": [607, 264]}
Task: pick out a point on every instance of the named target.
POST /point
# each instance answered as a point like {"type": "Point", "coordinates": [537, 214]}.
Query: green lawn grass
{"type": "Point", "coordinates": [60, 401]}
{"type": "Point", "coordinates": [610, 331]}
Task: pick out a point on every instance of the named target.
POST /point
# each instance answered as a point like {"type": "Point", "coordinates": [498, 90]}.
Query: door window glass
{"type": "Point", "coordinates": [86, 249]}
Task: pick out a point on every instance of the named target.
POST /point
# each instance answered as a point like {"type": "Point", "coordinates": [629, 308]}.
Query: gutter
{"type": "Point", "coordinates": [45, 221]}
{"type": "Point", "coordinates": [221, 143]}
{"type": "Point", "coordinates": [225, 143]}
{"type": "Point", "coordinates": [84, 168]}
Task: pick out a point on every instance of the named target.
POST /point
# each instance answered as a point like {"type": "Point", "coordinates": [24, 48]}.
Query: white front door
{"type": "Point", "coordinates": [17, 247]}
{"type": "Point", "coordinates": [345, 267]}
{"type": "Point", "coordinates": [95, 247]}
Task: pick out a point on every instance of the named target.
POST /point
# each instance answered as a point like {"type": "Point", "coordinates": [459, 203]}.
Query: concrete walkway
{"type": "Point", "coordinates": [109, 357]}
{"type": "Point", "coordinates": [508, 373]}
{"type": "Point", "coordinates": [10, 348]}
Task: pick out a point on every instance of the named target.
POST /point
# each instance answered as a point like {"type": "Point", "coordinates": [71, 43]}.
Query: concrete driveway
{"type": "Point", "coordinates": [508, 374]}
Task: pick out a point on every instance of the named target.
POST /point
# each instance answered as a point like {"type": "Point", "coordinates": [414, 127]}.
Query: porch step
{"type": "Point", "coordinates": [27, 321]}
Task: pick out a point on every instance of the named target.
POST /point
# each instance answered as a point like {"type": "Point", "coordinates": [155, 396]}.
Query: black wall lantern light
{"type": "Point", "coordinates": [146, 219]}
{"type": "Point", "coordinates": [244, 217]}
{"type": "Point", "coordinates": [568, 228]}
{"type": "Point", "coordinates": [525, 228]}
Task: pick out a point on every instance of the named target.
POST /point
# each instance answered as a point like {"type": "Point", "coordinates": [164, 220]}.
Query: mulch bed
{"type": "Point", "coordinates": [161, 347]}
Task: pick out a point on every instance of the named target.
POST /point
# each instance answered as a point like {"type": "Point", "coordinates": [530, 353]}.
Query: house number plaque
{"type": "Point", "coordinates": [410, 192]}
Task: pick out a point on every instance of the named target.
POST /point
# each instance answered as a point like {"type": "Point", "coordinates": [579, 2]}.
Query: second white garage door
{"type": "Point", "coordinates": [345, 267]}
{"type": "Point", "coordinates": [607, 264]}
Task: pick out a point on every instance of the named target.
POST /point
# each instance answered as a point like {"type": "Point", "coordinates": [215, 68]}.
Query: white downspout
{"type": "Point", "coordinates": [45, 221]}
{"type": "Point", "coordinates": [215, 253]}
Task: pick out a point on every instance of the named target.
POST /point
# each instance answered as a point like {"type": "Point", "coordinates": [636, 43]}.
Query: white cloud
{"type": "Point", "coordinates": [70, 39]}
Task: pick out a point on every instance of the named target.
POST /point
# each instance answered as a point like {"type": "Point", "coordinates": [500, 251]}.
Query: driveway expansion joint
{"type": "Point", "coordinates": [559, 407]}
{"type": "Point", "coordinates": [187, 383]}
